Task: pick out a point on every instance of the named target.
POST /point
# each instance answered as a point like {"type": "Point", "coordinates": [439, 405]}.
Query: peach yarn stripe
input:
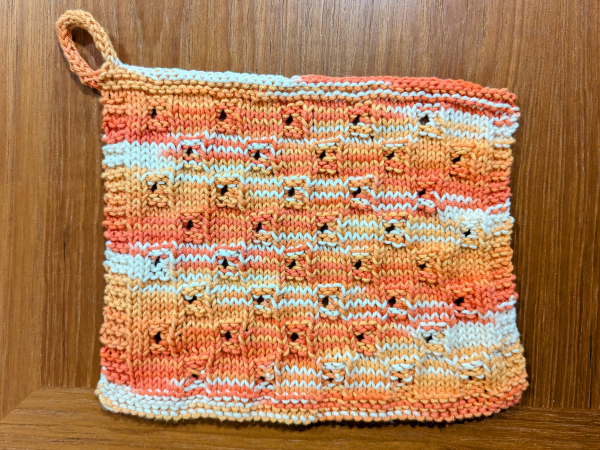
{"type": "Point", "coordinates": [303, 249]}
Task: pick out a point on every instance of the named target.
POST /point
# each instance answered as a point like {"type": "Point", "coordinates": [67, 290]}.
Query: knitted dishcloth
{"type": "Point", "coordinates": [303, 249]}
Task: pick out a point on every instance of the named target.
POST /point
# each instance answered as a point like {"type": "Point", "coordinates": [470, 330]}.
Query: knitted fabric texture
{"type": "Point", "coordinates": [304, 249]}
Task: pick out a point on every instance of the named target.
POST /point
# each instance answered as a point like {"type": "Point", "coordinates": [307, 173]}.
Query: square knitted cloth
{"type": "Point", "coordinates": [303, 249]}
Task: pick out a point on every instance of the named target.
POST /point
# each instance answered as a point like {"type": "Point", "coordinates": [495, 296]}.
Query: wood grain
{"type": "Point", "coordinates": [24, 205]}
{"type": "Point", "coordinates": [51, 238]}
{"type": "Point", "coordinates": [59, 418]}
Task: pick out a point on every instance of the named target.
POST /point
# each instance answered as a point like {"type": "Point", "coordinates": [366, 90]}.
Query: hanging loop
{"type": "Point", "coordinates": [84, 20]}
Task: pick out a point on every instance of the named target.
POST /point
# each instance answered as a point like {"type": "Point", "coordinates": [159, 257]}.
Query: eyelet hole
{"type": "Point", "coordinates": [289, 120]}
{"type": "Point", "coordinates": [466, 233]}
{"type": "Point", "coordinates": [153, 114]}
{"type": "Point", "coordinates": [189, 225]}
{"type": "Point", "coordinates": [156, 261]}
{"type": "Point", "coordinates": [325, 301]}
{"type": "Point", "coordinates": [459, 301]}
{"type": "Point", "coordinates": [356, 120]}
{"type": "Point", "coordinates": [153, 187]}
{"type": "Point", "coordinates": [356, 192]}
{"type": "Point", "coordinates": [157, 338]}
{"type": "Point", "coordinates": [223, 116]}
{"type": "Point", "coordinates": [258, 227]}
{"type": "Point", "coordinates": [192, 300]}
{"type": "Point", "coordinates": [322, 155]}
{"type": "Point", "coordinates": [424, 120]}
{"type": "Point", "coordinates": [391, 155]}
{"type": "Point", "coordinates": [225, 264]}
{"type": "Point", "coordinates": [224, 190]}
{"type": "Point", "coordinates": [294, 337]}
{"type": "Point", "coordinates": [323, 228]}
{"type": "Point", "coordinates": [455, 160]}
{"type": "Point", "coordinates": [428, 339]}
{"type": "Point", "coordinates": [292, 264]}
{"type": "Point", "coordinates": [258, 300]}
{"type": "Point", "coordinates": [291, 192]}
{"type": "Point", "coordinates": [189, 151]}
{"type": "Point", "coordinates": [422, 192]}
{"type": "Point", "coordinates": [227, 335]}
{"type": "Point", "coordinates": [422, 266]}
{"type": "Point", "coordinates": [360, 337]}
{"type": "Point", "coordinates": [390, 228]}
{"type": "Point", "coordinates": [256, 155]}
{"type": "Point", "coordinates": [391, 302]}
{"type": "Point", "coordinates": [358, 264]}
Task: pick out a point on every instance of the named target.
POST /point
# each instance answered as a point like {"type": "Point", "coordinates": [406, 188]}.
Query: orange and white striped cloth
{"type": "Point", "coordinates": [304, 249]}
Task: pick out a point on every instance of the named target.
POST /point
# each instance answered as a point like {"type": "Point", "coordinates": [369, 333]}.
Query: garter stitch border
{"type": "Point", "coordinates": [303, 249]}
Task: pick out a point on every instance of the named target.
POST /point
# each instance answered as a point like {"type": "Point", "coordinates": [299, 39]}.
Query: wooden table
{"type": "Point", "coordinates": [51, 242]}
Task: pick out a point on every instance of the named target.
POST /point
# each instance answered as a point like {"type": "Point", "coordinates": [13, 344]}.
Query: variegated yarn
{"type": "Point", "coordinates": [304, 249]}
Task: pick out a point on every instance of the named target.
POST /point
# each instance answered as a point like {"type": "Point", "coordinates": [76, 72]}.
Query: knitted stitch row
{"type": "Point", "coordinates": [304, 249]}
